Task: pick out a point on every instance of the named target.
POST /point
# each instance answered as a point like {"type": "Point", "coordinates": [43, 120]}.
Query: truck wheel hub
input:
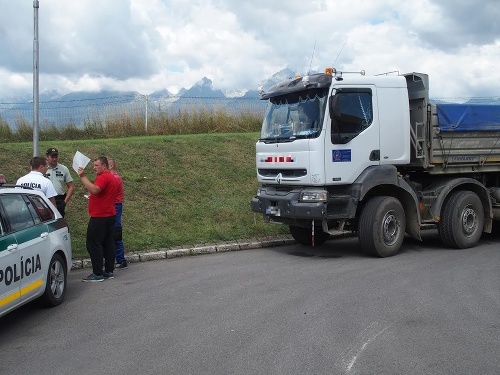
{"type": "Point", "coordinates": [391, 228]}
{"type": "Point", "coordinates": [469, 220]}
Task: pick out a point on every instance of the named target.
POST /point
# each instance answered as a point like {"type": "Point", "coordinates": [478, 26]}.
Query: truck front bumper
{"type": "Point", "coordinates": [285, 206]}
{"type": "Point", "coordinates": [281, 206]}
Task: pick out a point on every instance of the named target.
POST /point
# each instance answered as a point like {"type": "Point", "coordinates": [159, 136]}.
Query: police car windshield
{"type": "Point", "coordinates": [294, 116]}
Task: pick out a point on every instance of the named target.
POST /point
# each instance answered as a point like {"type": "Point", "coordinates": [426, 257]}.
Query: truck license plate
{"type": "Point", "coordinates": [273, 210]}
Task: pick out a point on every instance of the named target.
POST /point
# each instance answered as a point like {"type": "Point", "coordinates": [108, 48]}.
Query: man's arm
{"type": "Point", "coordinates": [92, 188]}
{"type": "Point", "coordinates": [69, 193]}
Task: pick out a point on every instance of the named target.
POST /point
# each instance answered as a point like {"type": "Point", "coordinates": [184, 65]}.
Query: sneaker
{"type": "Point", "coordinates": [108, 275]}
{"type": "Point", "coordinates": [93, 278]}
{"type": "Point", "coordinates": [121, 266]}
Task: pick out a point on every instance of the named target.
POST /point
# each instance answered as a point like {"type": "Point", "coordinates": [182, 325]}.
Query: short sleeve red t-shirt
{"type": "Point", "coordinates": [119, 194]}
{"type": "Point", "coordinates": [103, 204]}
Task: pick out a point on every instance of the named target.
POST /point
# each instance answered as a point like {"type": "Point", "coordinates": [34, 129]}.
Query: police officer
{"type": "Point", "coordinates": [36, 178]}
{"type": "Point", "coordinates": [61, 179]}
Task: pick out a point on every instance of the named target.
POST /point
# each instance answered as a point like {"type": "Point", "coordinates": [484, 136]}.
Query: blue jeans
{"type": "Point", "coordinates": [120, 248]}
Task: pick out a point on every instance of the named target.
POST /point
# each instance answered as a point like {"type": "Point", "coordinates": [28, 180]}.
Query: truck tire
{"type": "Point", "coordinates": [381, 226]}
{"type": "Point", "coordinates": [303, 235]}
{"type": "Point", "coordinates": [55, 289]}
{"type": "Point", "coordinates": [462, 220]}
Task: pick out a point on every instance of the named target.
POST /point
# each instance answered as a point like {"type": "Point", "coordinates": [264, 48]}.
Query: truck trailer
{"type": "Point", "coordinates": [347, 153]}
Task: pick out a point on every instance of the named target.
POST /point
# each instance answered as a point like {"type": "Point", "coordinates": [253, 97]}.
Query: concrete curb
{"type": "Point", "coordinates": [189, 250]}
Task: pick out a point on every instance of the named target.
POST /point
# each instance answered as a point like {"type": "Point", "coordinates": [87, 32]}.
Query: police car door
{"type": "Point", "coordinates": [9, 261]}
{"type": "Point", "coordinates": [34, 244]}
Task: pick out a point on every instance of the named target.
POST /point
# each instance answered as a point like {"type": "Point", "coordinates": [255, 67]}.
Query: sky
{"type": "Point", "coordinates": [151, 45]}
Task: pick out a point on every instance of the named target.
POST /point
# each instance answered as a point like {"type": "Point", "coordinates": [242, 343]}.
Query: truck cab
{"type": "Point", "coordinates": [341, 136]}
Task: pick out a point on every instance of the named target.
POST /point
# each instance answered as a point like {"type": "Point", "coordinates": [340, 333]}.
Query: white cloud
{"type": "Point", "coordinates": [151, 45]}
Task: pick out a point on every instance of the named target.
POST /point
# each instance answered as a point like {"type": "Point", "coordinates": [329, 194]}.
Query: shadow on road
{"type": "Point", "coordinates": [342, 247]}
{"type": "Point", "coordinates": [18, 317]}
{"type": "Point", "coordinates": [348, 247]}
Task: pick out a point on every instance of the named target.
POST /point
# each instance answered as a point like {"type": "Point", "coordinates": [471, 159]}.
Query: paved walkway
{"type": "Point", "coordinates": [180, 251]}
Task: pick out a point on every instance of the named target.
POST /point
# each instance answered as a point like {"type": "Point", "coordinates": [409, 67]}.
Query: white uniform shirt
{"type": "Point", "coordinates": [38, 181]}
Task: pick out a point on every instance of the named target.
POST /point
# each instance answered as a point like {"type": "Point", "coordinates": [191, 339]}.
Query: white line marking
{"type": "Point", "coordinates": [365, 344]}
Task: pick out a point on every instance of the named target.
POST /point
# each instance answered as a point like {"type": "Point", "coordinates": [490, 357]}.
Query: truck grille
{"type": "Point", "coordinates": [285, 173]}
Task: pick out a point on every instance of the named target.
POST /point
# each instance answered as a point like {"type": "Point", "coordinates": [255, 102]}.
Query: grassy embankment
{"type": "Point", "coordinates": [182, 189]}
{"type": "Point", "coordinates": [179, 189]}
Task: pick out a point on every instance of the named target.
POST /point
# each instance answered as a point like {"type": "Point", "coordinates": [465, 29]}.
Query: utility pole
{"type": "Point", "coordinates": [146, 119]}
{"type": "Point", "coordinates": [35, 79]}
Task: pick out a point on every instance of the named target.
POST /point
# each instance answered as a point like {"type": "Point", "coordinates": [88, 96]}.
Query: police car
{"type": "Point", "coordinates": [35, 249]}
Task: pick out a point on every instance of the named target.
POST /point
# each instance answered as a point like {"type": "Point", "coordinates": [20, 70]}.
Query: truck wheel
{"type": "Point", "coordinates": [55, 290]}
{"type": "Point", "coordinates": [381, 226]}
{"type": "Point", "coordinates": [462, 220]}
{"type": "Point", "coordinates": [303, 235]}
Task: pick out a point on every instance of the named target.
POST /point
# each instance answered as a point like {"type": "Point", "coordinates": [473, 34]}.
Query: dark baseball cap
{"type": "Point", "coordinates": [52, 151]}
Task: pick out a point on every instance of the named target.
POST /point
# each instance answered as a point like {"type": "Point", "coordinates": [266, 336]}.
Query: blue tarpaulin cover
{"type": "Point", "coordinates": [468, 117]}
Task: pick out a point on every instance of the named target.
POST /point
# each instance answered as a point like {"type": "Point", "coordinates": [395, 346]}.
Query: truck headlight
{"type": "Point", "coordinates": [313, 196]}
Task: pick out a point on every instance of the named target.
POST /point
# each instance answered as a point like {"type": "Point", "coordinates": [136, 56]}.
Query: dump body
{"type": "Point", "coordinates": [464, 138]}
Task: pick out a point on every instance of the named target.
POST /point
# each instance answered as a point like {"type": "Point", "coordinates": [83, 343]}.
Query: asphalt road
{"type": "Point", "coordinates": [282, 310]}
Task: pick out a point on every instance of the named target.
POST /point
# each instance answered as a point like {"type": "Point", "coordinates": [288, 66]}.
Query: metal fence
{"type": "Point", "coordinates": [77, 110]}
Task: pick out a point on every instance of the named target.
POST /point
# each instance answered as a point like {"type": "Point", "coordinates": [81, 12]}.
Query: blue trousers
{"type": "Point", "coordinates": [120, 248]}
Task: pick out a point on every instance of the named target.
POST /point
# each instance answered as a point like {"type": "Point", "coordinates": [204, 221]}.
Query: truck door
{"type": "Point", "coordinates": [353, 142]}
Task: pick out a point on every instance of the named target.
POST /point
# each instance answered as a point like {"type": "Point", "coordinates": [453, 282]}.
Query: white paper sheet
{"type": "Point", "coordinates": [80, 160]}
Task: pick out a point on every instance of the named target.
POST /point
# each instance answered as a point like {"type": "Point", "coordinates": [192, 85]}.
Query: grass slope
{"type": "Point", "coordinates": [179, 189]}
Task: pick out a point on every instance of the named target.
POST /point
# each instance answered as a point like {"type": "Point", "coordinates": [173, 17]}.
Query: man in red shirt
{"type": "Point", "coordinates": [100, 229]}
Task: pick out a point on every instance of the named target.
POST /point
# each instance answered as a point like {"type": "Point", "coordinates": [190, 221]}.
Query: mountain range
{"type": "Point", "coordinates": [60, 109]}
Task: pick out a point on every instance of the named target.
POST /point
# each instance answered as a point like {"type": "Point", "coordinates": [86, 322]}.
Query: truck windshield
{"type": "Point", "coordinates": [294, 116]}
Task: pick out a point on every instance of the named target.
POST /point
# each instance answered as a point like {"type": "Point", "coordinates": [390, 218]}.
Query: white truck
{"type": "Point", "coordinates": [370, 155]}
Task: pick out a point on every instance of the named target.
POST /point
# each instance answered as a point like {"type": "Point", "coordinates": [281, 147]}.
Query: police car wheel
{"type": "Point", "coordinates": [55, 290]}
